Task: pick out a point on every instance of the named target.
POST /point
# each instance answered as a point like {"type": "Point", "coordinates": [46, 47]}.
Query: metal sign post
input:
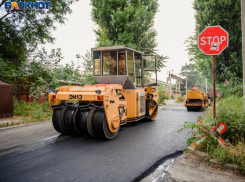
{"type": "Point", "coordinates": [212, 41]}
{"type": "Point", "coordinates": [243, 47]}
{"type": "Point", "coordinates": [214, 93]}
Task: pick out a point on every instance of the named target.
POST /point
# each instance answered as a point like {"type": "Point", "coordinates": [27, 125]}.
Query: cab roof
{"type": "Point", "coordinates": [114, 48]}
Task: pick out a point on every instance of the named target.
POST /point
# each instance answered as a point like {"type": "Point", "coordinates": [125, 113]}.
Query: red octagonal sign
{"type": "Point", "coordinates": [213, 40]}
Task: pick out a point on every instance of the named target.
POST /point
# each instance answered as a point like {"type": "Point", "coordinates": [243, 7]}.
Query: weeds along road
{"type": "Point", "coordinates": [38, 153]}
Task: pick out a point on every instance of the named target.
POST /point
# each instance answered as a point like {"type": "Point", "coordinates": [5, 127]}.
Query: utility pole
{"type": "Point", "coordinates": [186, 79]}
{"type": "Point", "coordinates": [170, 85]}
{"type": "Point", "coordinates": [243, 47]}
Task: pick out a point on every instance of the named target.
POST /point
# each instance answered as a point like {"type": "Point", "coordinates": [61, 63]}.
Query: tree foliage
{"type": "Point", "coordinates": [127, 22]}
{"type": "Point", "coordinates": [45, 71]}
{"type": "Point", "coordinates": [226, 13]}
{"type": "Point", "coordinates": [22, 30]}
{"type": "Point", "coordinates": [87, 62]}
{"type": "Point", "coordinates": [193, 77]}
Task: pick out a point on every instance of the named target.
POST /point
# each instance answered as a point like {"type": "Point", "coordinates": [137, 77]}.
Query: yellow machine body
{"type": "Point", "coordinates": [100, 110]}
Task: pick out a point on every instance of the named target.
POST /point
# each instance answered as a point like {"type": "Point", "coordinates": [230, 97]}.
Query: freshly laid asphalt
{"type": "Point", "coordinates": [38, 153]}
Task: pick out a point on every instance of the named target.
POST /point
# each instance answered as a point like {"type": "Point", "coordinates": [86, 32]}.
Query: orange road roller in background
{"type": "Point", "coordinates": [196, 100]}
{"type": "Point", "coordinates": [126, 92]}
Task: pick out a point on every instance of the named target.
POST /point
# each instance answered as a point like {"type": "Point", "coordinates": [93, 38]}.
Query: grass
{"type": "Point", "coordinates": [29, 113]}
{"type": "Point", "coordinates": [11, 124]}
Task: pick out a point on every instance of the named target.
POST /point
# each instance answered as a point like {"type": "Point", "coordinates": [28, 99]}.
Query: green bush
{"type": "Point", "coordinates": [162, 95]}
{"type": "Point", "coordinates": [233, 87]}
{"type": "Point", "coordinates": [230, 111]}
{"type": "Point", "coordinates": [180, 99]}
{"type": "Point", "coordinates": [232, 153]}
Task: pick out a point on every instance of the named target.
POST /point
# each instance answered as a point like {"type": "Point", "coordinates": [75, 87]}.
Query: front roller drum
{"type": "Point", "coordinates": [99, 125]}
{"type": "Point", "coordinates": [153, 116]}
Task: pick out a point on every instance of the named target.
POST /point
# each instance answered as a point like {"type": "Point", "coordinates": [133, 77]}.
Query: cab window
{"type": "Point", "coordinates": [109, 63]}
{"type": "Point", "coordinates": [122, 70]}
{"type": "Point", "coordinates": [130, 65]}
{"type": "Point", "coordinates": [97, 63]}
{"type": "Point", "coordinates": [138, 73]}
{"type": "Point", "coordinates": [97, 67]}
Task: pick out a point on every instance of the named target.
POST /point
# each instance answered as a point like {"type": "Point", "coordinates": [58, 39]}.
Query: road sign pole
{"type": "Point", "coordinates": [186, 79]}
{"type": "Point", "coordinates": [214, 94]}
{"type": "Point", "coordinates": [243, 47]}
{"type": "Point", "coordinates": [170, 86]}
{"type": "Point", "coordinates": [212, 41]}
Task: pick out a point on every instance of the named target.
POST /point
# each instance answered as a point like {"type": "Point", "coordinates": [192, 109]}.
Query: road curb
{"type": "Point", "coordinates": [212, 161]}
{"type": "Point", "coordinates": [156, 164]}
{"type": "Point", "coordinates": [25, 124]}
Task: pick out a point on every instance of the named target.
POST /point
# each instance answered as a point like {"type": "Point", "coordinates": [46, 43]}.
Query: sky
{"type": "Point", "coordinates": [174, 23]}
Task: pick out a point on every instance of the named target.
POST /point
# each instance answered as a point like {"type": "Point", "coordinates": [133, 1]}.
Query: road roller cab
{"type": "Point", "coordinates": [126, 91]}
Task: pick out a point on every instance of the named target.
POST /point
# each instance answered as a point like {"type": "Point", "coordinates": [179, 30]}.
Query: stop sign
{"type": "Point", "coordinates": [213, 40]}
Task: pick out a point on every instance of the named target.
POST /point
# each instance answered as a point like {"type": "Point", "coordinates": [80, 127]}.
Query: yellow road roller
{"type": "Point", "coordinates": [126, 91]}
{"type": "Point", "coordinates": [196, 99]}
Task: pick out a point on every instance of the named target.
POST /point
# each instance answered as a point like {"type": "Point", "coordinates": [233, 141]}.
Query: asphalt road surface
{"type": "Point", "coordinates": [38, 153]}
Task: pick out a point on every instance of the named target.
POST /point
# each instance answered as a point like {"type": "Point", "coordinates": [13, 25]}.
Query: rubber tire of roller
{"type": "Point", "coordinates": [90, 120]}
{"type": "Point", "coordinates": [101, 127]}
{"type": "Point", "coordinates": [80, 121]}
{"type": "Point", "coordinates": [69, 115]}
{"type": "Point", "coordinates": [55, 120]}
{"type": "Point", "coordinates": [63, 125]}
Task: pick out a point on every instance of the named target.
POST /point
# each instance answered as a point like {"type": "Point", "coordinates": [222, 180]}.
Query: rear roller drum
{"type": "Point", "coordinates": [66, 121]}
{"type": "Point", "coordinates": [101, 127]}
{"type": "Point", "coordinates": [55, 120]}
{"type": "Point", "coordinates": [90, 121]}
{"type": "Point", "coordinates": [194, 108]}
{"type": "Point", "coordinates": [80, 121]}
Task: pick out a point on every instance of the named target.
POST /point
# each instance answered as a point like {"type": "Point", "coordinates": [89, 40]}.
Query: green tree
{"type": "Point", "coordinates": [87, 63]}
{"type": "Point", "coordinates": [45, 70]}
{"type": "Point", "coordinates": [194, 77]}
{"type": "Point", "coordinates": [226, 13]}
{"type": "Point", "coordinates": [87, 68]}
{"type": "Point", "coordinates": [22, 30]}
{"type": "Point", "coordinates": [128, 23]}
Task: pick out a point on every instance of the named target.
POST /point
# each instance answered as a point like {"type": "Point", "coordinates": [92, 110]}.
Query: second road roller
{"type": "Point", "coordinates": [126, 91]}
{"type": "Point", "coordinates": [196, 99]}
